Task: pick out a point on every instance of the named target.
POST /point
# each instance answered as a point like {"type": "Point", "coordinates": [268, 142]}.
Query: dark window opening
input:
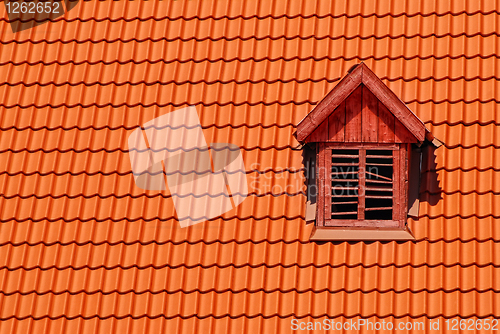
{"type": "Point", "coordinates": [362, 184]}
{"type": "Point", "coordinates": [379, 184]}
{"type": "Point", "coordinates": [345, 184]}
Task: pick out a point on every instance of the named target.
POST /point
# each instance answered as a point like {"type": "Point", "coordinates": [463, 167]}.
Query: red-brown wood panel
{"type": "Point", "coordinates": [403, 193]}
{"type": "Point", "coordinates": [385, 124]}
{"type": "Point", "coordinates": [331, 101]}
{"type": "Point", "coordinates": [362, 223]}
{"type": "Point", "coordinates": [320, 177]}
{"type": "Point", "coordinates": [353, 116]}
{"type": "Point", "coordinates": [362, 184]}
{"type": "Point", "coordinates": [328, 182]}
{"type": "Point", "coordinates": [369, 117]}
{"type": "Point", "coordinates": [320, 134]}
{"type": "Point", "coordinates": [396, 179]}
{"type": "Point", "coordinates": [336, 124]}
{"type": "Point", "coordinates": [402, 135]}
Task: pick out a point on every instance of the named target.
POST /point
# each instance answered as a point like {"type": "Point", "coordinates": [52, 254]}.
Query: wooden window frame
{"type": "Point", "coordinates": [400, 185]}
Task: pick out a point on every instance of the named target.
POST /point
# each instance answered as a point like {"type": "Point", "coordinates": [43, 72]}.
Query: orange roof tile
{"type": "Point", "coordinates": [83, 250]}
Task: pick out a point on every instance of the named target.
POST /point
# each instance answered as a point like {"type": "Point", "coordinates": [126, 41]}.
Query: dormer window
{"type": "Point", "coordinates": [363, 136]}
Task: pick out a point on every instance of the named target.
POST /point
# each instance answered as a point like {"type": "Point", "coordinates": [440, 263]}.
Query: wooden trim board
{"type": "Point", "coordinates": [360, 75]}
{"type": "Point", "coordinates": [360, 234]}
{"type": "Point", "coordinates": [331, 101]}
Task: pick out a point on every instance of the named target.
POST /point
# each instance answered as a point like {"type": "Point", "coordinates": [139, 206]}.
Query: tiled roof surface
{"type": "Point", "coordinates": [83, 250]}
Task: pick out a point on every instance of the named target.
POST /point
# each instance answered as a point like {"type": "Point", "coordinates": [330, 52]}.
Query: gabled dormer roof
{"type": "Point", "coordinates": [361, 75]}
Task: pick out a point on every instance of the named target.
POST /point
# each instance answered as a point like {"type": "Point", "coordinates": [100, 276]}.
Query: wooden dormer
{"type": "Point", "coordinates": [362, 133]}
{"type": "Point", "coordinates": [350, 111]}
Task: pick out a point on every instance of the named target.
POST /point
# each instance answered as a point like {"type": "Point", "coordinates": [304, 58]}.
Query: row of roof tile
{"type": "Point", "coordinates": [232, 93]}
{"type": "Point", "coordinates": [143, 207]}
{"type": "Point", "coordinates": [237, 71]}
{"type": "Point", "coordinates": [251, 279]}
{"type": "Point", "coordinates": [233, 254]}
{"type": "Point", "coordinates": [328, 27]}
{"type": "Point", "coordinates": [105, 10]}
{"type": "Point", "coordinates": [160, 206]}
{"type": "Point", "coordinates": [260, 115]}
{"type": "Point", "coordinates": [273, 231]}
{"type": "Point", "coordinates": [249, 304]}
{"type": "Point", "coordinates": [247, 137]}
{"type": "Point", "coordinates": [260, 184]}
{"type": "Point", "coordinates": [244, 50]}
{"type": "Point", "coordinates": [225, 324]}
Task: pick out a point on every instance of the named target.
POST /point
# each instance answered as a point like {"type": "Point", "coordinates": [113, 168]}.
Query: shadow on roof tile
{"type": "Point", "coordinates": [430, 189]}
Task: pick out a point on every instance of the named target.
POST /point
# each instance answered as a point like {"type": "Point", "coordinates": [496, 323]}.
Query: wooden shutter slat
{"type": "Point", "coordinates": [379, 208]}
{"type": "Point", "coordinates": [345, 180]}
{"type": "Point", "coordinates": [379, 176]}
{"type": "Point", "coordinates": [379, 164]}
{"type": "Point", "coordinates": [345, 156]}
{"type": "Point", "coordinates": [338, 213]}
{"type": "Point", "coordinates": [378, 189]}
{"type": "Point", "coordinates": [378, 181]}
{"type": "Point", "coordinates": [344, 202]}
{"type": "Point", "coordinates": [344, 173]}
{"type": "Point", "coordinates": [370, 156]}
{"type": "Point", "coordinates": [344, 164]}
{"type": "Point", "coordinates": [343, 188]}
{"type": "Point", "coordinates": [345, 196]}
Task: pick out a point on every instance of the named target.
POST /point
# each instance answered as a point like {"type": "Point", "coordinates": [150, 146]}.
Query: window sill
{"type": "Point", "coordinates": [367, 234]}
